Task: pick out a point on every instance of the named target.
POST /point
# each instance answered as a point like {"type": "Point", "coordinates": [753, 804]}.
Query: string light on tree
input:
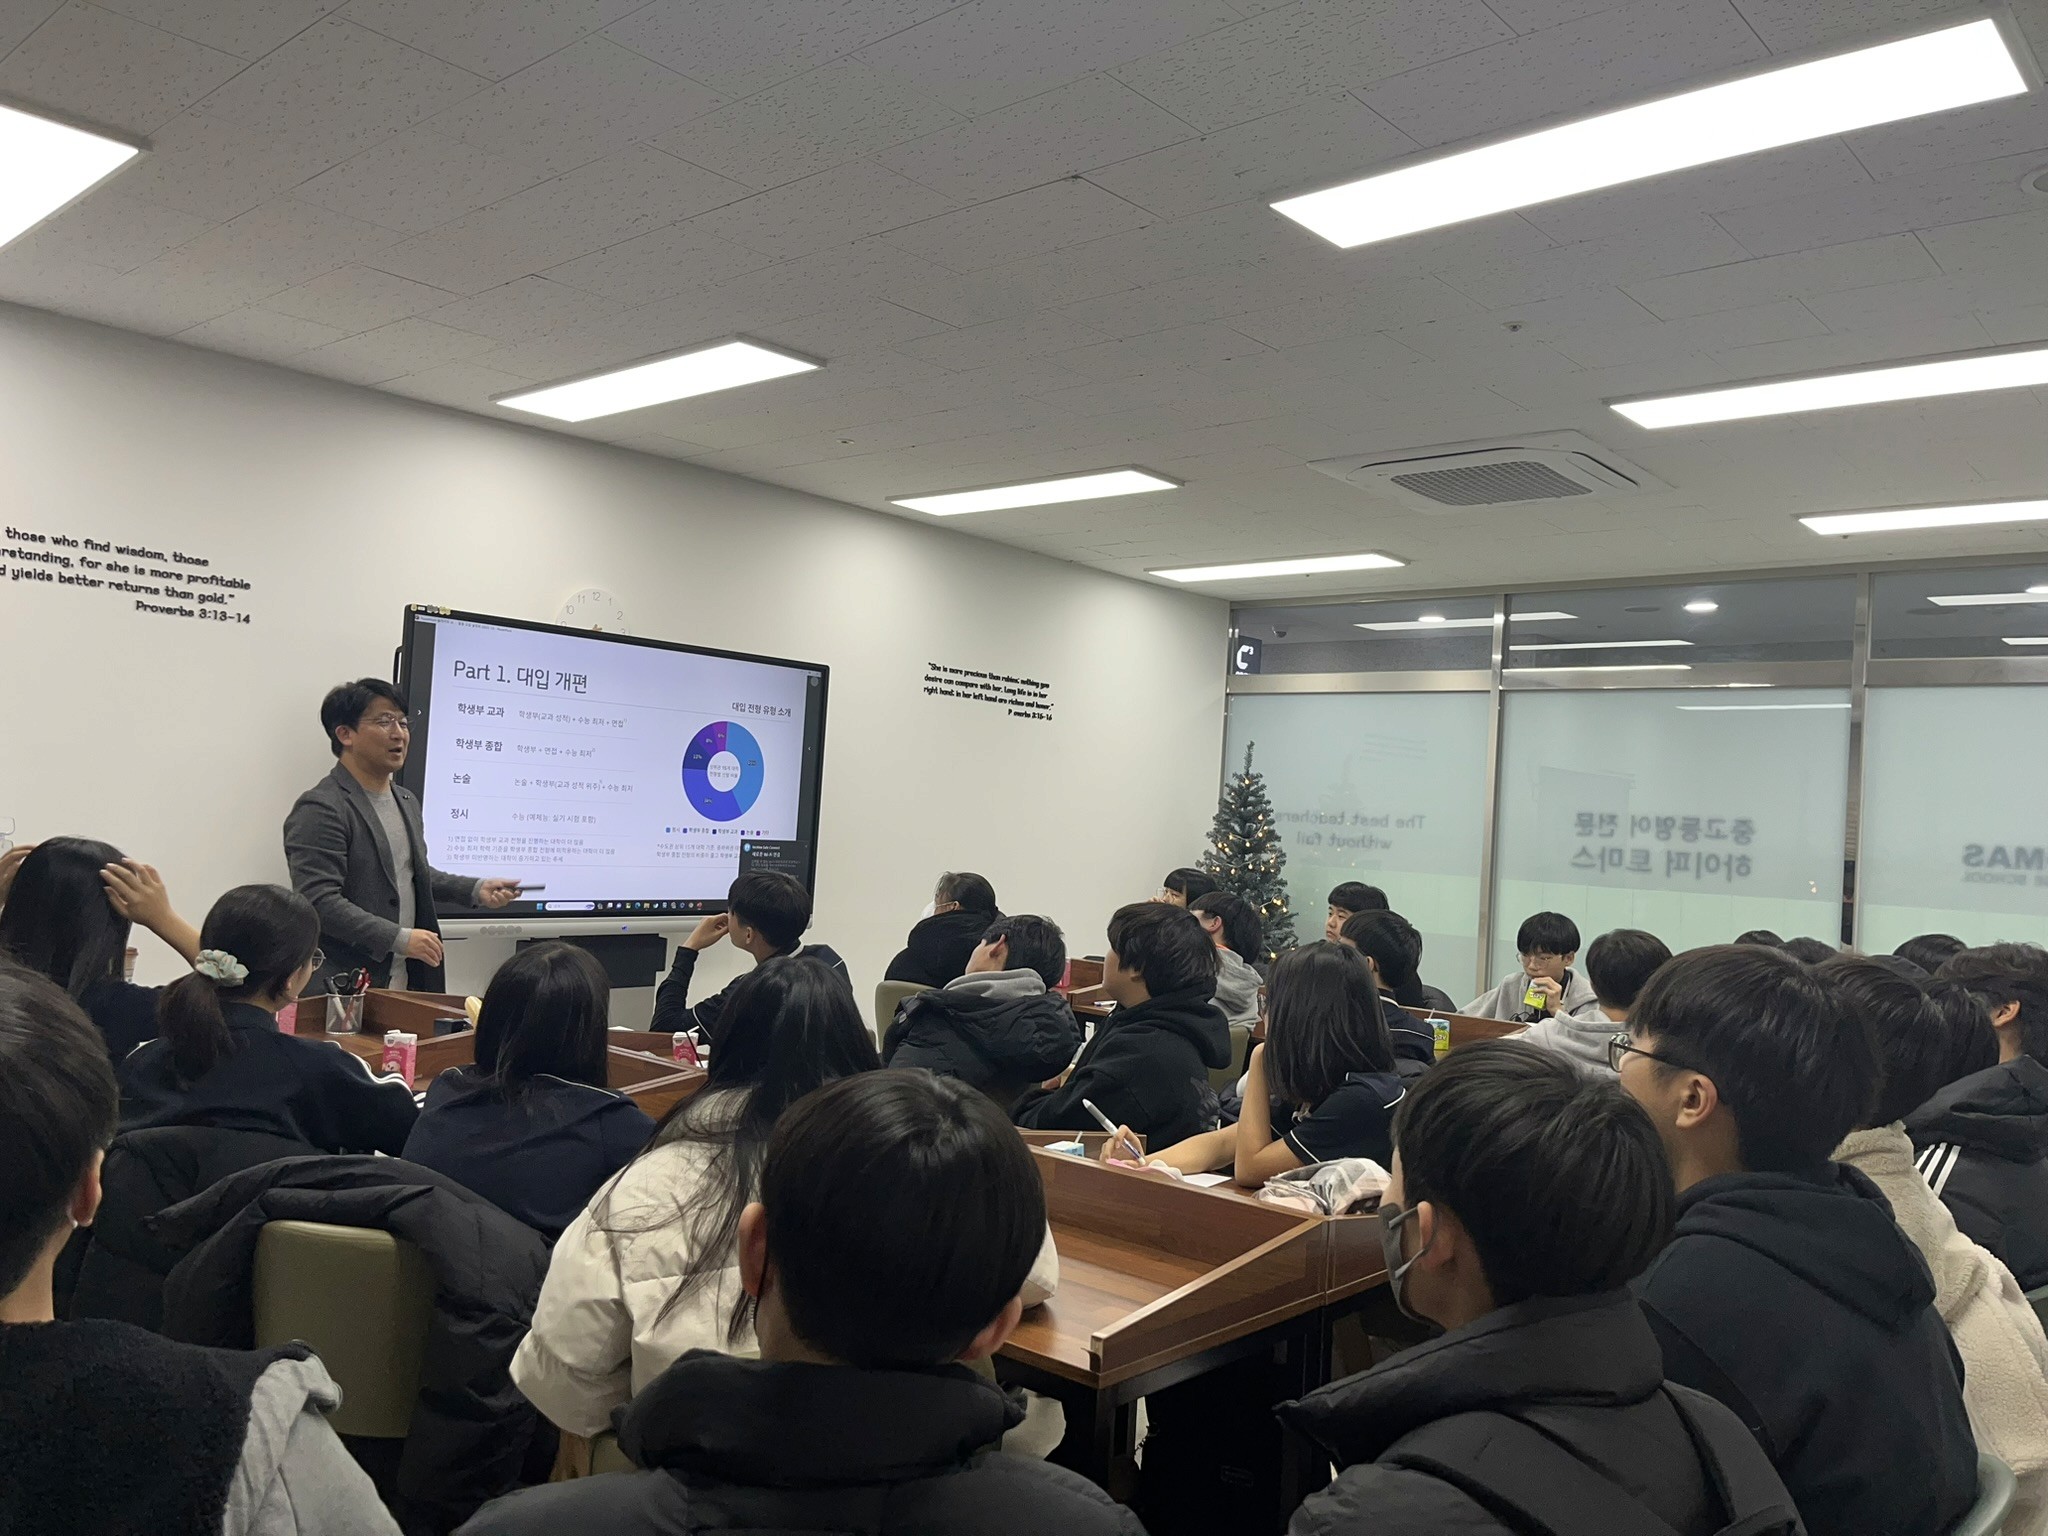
{"type": "Point", "coordinates": [1245, 855]}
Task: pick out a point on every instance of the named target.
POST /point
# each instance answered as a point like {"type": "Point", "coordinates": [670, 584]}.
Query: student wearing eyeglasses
{"type": "Point", "coordinates": [357, 848]}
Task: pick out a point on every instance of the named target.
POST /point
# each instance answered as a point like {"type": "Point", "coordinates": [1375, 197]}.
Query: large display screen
{"type": "Point", "coordinates": [620, 775]}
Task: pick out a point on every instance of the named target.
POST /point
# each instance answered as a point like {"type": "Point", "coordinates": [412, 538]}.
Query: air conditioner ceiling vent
{"type": "Point", "coordinates": [1547, 466]}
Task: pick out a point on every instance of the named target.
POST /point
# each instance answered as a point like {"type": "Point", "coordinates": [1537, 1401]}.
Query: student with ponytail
{"type": "Point", "coordinates": [219, 1059]}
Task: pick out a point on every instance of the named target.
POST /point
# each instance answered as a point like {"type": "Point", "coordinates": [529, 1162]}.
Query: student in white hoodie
{"type": "Point", "coordinates": [1548, 944]}
{"type": "Point", "coordinates": [2005, 1355]}
{"type": "Point", "coordinates": [1233, 925]}
{"type": "Point", "coordinates": [1618, 963]}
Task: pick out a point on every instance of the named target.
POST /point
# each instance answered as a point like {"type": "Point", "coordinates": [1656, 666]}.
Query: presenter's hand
{"type": "Point", "coordinates": [136, 891]}
{"type": "Point", "coordinates": [425, 947]}
{"type": "Point", "coordinates": [10, 866]}
{"type": "Point", "coordinates": [709, 932]}
{"type": "Point", "coordinates": [496, 893]}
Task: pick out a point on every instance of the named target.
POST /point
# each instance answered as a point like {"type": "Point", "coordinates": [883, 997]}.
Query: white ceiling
{"type": "Point", "coordinates": [1030, 237]}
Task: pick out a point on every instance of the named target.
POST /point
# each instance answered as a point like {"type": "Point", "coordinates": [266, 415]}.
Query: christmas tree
{"type": "Point", "coordinates": [1245, 855]}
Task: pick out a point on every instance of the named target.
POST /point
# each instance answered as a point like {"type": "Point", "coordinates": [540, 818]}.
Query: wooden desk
{"type": "Point", "coordinates": [1468, 1030]}
{"type": "Point", "coordinates": [1091, 1140]}
{"type": "Point", "coordinates": [1083, 973]}
{"type": "Point", "coordinates": [1161, 1282]}
{"type": "Point", "coordinates": [651, 1077]}
{"type": "Point", "coordinates": [1091, 1003]}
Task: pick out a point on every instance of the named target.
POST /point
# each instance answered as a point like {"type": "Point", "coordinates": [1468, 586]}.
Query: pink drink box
{"type": "Point", "coordinates": [401, 1053]}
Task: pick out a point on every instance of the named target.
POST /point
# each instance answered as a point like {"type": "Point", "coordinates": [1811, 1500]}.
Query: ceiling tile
{"type": "Point", "coordinates": [18, 18]}
{"type": "Point", "coordinates": [1322, 141]}
{"type": "Point", "coordinates": [1924, 201]}
{"type": "Point", "coordinates": [26, 278]}
{"type": "Point", "coordinates": [260, 333]}
{"type": "Point", "coordinates": [988, 53]}
{"type": "Point", "coordinates": [340, 86]}
{"type": "Point", "coordinates": [588, 101]}
{"type": "Point", "coordinates": [416, 181]}
{"type": "Point", "coordinates": [836, 206]}
{"type": "Point", "coordinates": [247, 30]}
{"type": "Point", "coordinates": [493, 38]}
{"type": "Point", "coordinates": [2022, 284]}
{"type": "Point", "coordinates": [112, 228]}
{"type": "Point", "coordinates": [259, 253]}
{"type": "Point", "coordinates": [403, 346]}
{"type": "Point", "coordinates": [1537, 15]}
{"type": "Point", "coordinates": [1093, 122]}
{"type": "Point", "coordinates": [835, 333]}
{"type": "Point", "coordinates": [526, 309]}
{"type": "Point", "coordinates": [1285, 56]}
{"type": "Point", "coordinates": [657, 264]}
{"type": "Point", "coordinates": [1015, 288]}
{"type": "Point", "coordinates": [357, 298]}
{"type": "Point", "coordinates": [976, 346]}
{"type": "Point", "coordinates": [1005, 229]}
{"type": "Point", "coordinates": [1990, 243]}
{"type": "Point", "coordinates": [466, 385]}
{"type": "Point", "coordinates": [1186, 346]}
{"type": "Point", "coordinates": [841, 112]}
{"type": "Point", "coordinates": [110, 72]}
{"type": "Point", "coordinates": [1735, 285]}
{"type": "Point", "coordinates": [1608, 60]}
{"type": "Point", "coordinates": [206, 165]}
{"type": "Point", "coordinates": [1614, 348]}
{"type": "Point", "coordinates": [781, 38]}
{"type": "Point", "coordinates": [1987, 132]}
{"type": "Point", "coordinates": [1681, 246]}
{"type": "Point", "coordinates": [1790, 26]}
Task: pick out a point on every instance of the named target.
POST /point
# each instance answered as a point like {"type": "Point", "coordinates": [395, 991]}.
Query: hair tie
{"type": "Point", "coordinates": [221, 968]}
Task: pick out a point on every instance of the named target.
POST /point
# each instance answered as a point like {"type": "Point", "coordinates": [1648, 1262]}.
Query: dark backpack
{"type": "Point", "coordinates": [1536, 1487]}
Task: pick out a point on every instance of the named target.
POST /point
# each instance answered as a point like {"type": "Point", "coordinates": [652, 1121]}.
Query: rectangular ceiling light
{"type": "Point", "coordinates": [2016, 369]}
{"type": "Point", "coordinates": [1659, 666]}
{"type": "Point", "coordinates": [2026, 639]}
{"type": "Point", "coordinates": [1420, 624]}
{"type": "Point", "coordinates": [1907, 519]}
{"type": "Point", "coordinates": [1716, 708]}
{"type": "Point", "coordinates": [45, 164]}
{"type": "Point", "coordinates": [1312, 565]}
{"type": "Point", "coordinates": [1955, 66]}
{"type": "Point", "coordinates": [1040, 493]}
{"type": "Point", "coordinates": [679, 376]}
{"type": "Point", "coordinates": [1597, 645]}
{"type": "Point", "coordinates": [1987, 599]}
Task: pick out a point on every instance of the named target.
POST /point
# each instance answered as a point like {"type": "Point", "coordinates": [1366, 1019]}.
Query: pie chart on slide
{"type": "Point", "coordinates": [722, 771]}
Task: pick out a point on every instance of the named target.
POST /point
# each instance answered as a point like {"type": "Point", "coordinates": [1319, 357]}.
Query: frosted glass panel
{"type": "Point", "coordinates": [1388, 788]}
{"type": "Point", "coordinates": [1697, 814]}
{"type": "Point", "coordinates": [1955, 815]}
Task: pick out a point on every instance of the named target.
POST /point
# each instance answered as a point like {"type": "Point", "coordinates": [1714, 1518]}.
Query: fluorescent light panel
{"type": "Point", "coordinates": [1513, 618]}
{"type": "Point", "coordinates": [2026, 639]}
{"type": "Point", "coordinates": [1309, 565]}
{"type": "Point", "coordinates": [1718, 708]}
{"type": "Point", "coordinates": [1598, 645]}
{"type": "Point", "coordinates": [1936, 71]}
{"type": "Point", "coordinates": [1040, 493]}
{"type": "Point", "coordinates": [1988, 599]}
{"type": "Point", "coordinates": [1979, 371]}
{"type": "Point", "coordinates": [44, 165]}
{"type": "Point", "coordinates": [1657, 666]}
{"type": "Point", "coordinates": [680, 376]}
{"type": "Point", "coordinates": [1907, 519]}
{"type": "Point", "coordinates": [1702, 605]}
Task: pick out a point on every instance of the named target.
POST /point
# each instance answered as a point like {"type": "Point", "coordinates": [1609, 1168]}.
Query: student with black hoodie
{"type": "Point", "coordinates": [1524, 1199]}
{"type": "Point", "coordinates": [1983, 1139]}
{"type": "Point", "coordinates": [1148, 1065]}
{"type": "Point", "coordinates": [1789, 1292]}
{"type": "Point", "coordinates": [1000, 1027]}
{"type": "Point", "coordinates": [861, 1414]}
{"type": "Point", "coordinates": [766, 913]}
{"type": "Point", "coordinates": [963, 905]}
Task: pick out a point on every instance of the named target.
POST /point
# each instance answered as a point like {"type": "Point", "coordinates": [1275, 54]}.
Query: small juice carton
{"type": "Point", "coordinates": [401, 1053]}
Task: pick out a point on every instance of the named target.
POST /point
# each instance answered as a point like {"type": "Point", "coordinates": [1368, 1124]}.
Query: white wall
{"type": "Point", "coordinates": [185, 743]}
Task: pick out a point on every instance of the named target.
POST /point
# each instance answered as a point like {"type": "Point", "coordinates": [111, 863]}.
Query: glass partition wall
{"type": "Point", "coordinates": [1854, 755]}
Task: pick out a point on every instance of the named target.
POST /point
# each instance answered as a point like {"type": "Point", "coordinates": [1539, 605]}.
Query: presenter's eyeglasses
{"type": "Point", "coordinates": [390, 724]}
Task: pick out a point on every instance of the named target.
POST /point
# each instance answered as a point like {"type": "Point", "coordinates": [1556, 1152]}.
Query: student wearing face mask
{"type": "Point", "coordinates": [1524, 1199]}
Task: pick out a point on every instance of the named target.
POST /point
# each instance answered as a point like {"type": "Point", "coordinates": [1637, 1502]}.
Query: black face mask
{"type": "Point", "coordinates": [1392, 1219]}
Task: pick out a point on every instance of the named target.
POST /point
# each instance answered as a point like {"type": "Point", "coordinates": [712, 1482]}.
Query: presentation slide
{"type": "Point", "coordinates": [621, 776]}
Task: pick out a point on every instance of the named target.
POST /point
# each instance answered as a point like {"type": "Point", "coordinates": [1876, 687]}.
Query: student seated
{"type": "Point", "coordinates": [1931, 951]}
{"type": "Point", "coordinates": [1148, 1065]}
{"type": "Point", "coordinates": [2005, 1357]}
{"type": "Point", "coordinates": [219, 1058]}
{"type": "Point", "coordinates": [1000, 1028]}
{"type": "Point", "coordinates": [766, 915]}
{"type": "Point", "coordinates": [1347, 901]}
{"type": "Point", "coordinates": [106, 1428]}
{"type": "Point", "coordinates": [1983, 1138]}
{"type": "Point", "coordinates": [1524, 1199]}
{"type": "Point", "coordinates": [649, 1270]}
{"type": "Point", "coordinates": [1181, 886]}
{"type": "Point", "coordinates": [68, 914]}
{"type": "Point", "coordinates": [1762, 936]}
{"type": "Point", "coordinates": [1324, 1084]}
{"type": "Point", "coordinates": [1788, 1291]}
{"type": "Point", "coordinates": [1810, 951]}
{"type": "Point", "coordinates": [938, 948]}
{"type": "Point", "coordinates": [1393, 949]}
{"type": "Point", "coordinates": [1617, 965]}
{"type": "Point", "coordinates": [1546, 985]}
{"type": "Point", "coordinates": [534, 1127]}
{"type": "Point", "coordinates": [860, 1414]}
{"type": "Point", "coordinates": [1233, 925]}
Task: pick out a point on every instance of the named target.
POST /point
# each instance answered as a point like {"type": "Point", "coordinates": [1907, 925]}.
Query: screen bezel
{"type": "Point", "coordinates": [413, 774]}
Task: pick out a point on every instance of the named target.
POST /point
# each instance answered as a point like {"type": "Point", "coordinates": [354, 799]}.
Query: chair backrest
{"type": "Point", "coordinates": [363, 1300]}
{"type": "Point", "coordinates": [1995, 1489]}
{"type": "Point", "coordinates": [1221, 1078]}
{"type": "Point", "coordinates": [887, 995]}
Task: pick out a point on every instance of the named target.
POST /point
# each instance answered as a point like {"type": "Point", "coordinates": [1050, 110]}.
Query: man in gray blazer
{"type": "Point", "coordinates": [358, 850]}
